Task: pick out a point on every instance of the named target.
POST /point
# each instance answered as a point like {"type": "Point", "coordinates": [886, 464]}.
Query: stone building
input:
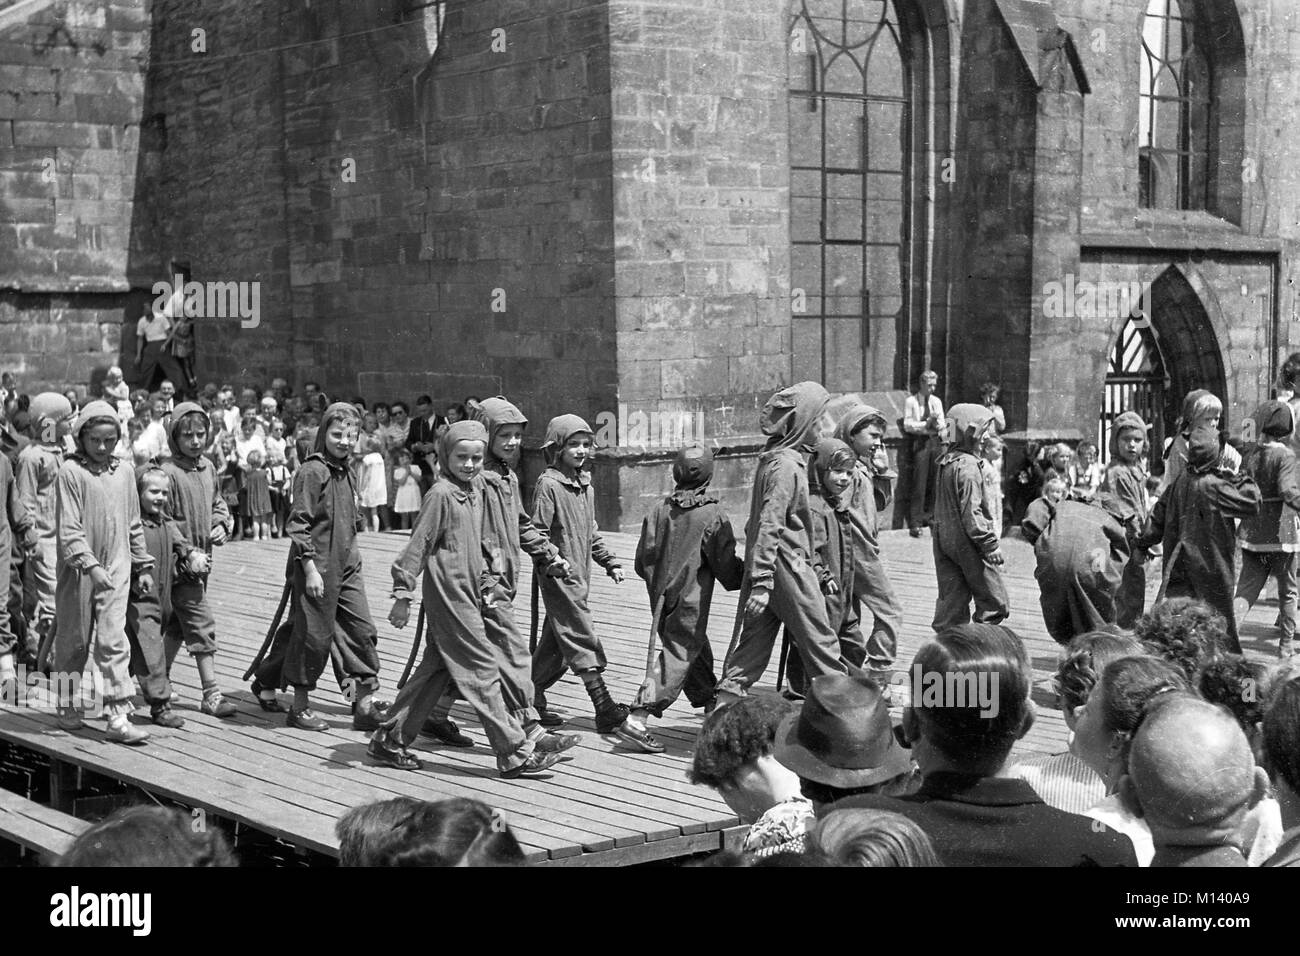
{"type": "Point", "coordinates": [656, 212]}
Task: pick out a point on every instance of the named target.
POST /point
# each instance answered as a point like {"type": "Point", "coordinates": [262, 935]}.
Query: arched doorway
{"type": "Point", "coordinates": [1158, 358]}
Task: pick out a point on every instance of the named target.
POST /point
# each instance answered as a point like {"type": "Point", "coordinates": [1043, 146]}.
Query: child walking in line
{"type": "Point", "coordinates": [35, 477]}
{"type": "Point", "coordinates": [967, 557]}
{"type": "Point", "coordinates": [832, 535]}
{"type": "Point", "coordinates": [508, 533]}
{"type": "Point", "coordinates": [686, 544]}
{"type": "Point", "coordinates": [406, 481]}
{"type": "Point", "coordinates": [195, 503]}
{"type": "Point", "coordinates": [328, 591]}
{"type": "Point", "coordinates": [1269, 540]}
{"type": "Point", "coordinates": [149, 612]}
{"type": "Point", "coordinates": [1126, 479]}
{"type": "Point", "coordinates": [257, 497]}
{"type": "Point", "coordinates": [564, 513]}
{"type": "Point", "coordinates": [100, 545]}
{"type": "Point", "coordinates": [1194, 521]}
{"type": "Point", "coordinates": [17, 536]}
{"type": "Point", "coordinates": [445, 557]}
{"type": "Point", "coordinates": [862, 428]}
{"type": "Point", "coordinates": [780, 585]}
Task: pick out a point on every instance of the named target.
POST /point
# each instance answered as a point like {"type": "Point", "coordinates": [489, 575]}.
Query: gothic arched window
{"type": "Point", "coordinates": [1173, 124]}
{"type": "Point", "coordinates": [855, 67]}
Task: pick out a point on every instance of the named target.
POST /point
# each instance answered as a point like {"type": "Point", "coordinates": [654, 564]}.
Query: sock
{"type": "Point", "coordinates": [207, 673]}
{"type": "Point", "coordinates": [594, 681]}
{"type": "Point", "coordinates": [301, 699]}
{"type": "Point", "coordinates": [365, 702]}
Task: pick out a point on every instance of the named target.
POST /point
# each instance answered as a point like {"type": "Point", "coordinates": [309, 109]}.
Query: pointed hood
{"type": "Point", "coordinates": [465, 430]}
{"type": "Point", "coordinates": [559, 430]}
{"type": "Point", "coordinates": [492, 414]}
{"type": "Point", "coordinates": [1273, 419]}
{"type": "Point", "coordinates": [49, 407]}
{"type": "Point", "coordinates": [856, 417]}
{"type": "Point", "coordinates": [1122, 421]}
{"type": "Point", "coordinates": [337, 411]}
{"type": "Point", "coordinates": [967, 424]}
{"type": "Point", "coordinates": [173, 430]}
{"type": "Point", "coordinates": [800, 426]}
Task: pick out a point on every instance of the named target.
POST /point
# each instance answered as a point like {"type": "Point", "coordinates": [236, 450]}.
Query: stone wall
{"type": "Point", "coordinates": [71, 106]}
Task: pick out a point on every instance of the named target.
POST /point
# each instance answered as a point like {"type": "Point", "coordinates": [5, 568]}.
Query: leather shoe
{"type": "Point", "coordinates": [305, 720]}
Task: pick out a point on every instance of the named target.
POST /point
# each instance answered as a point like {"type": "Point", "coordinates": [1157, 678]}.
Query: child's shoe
{"type": "Point", "coordinates": [368, 721]}
{"type": "Point", "coordinates": [69, 719]}
{"type": "Point", "coordinates": [164, 716]}
{"type": "Point", "coordinates": [447, 732]}
{"type": "Point", "coordinates": [383, 750]}
{"type": "Point", "coordinates": [629, 733]}
{"type": "Point", "coordinates": [270, 705]}
{"type": "Point", "coordinates": [610, 717]}
{"type": "Point", "coordinates": [557, 743]}
{"type": "Point", "coordinates": [122, 731]}
{"type": "Point", "coordinates": [214, 705]}
{"type": "Point", "coordinates": [305, 720]}
{"type": "Point", "coordinates": [537, 764]}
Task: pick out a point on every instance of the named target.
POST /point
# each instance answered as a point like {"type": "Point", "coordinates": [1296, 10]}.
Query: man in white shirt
{"type": "Point", "coordinates": [923, 423]}
{"type": "Point", "coordinates": [152, 355]}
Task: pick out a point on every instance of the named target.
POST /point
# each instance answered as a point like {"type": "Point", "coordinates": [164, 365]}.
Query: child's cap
{"type": "Point", "coordinates": [693, 467]}
{"type": "Point", "coordinates": [49, 407]}
{"type": "Point", "coordinates": [968, 423]}
{"type": "Point", "coordinates": [464, 430]}
{"type": "Point", "coordinates": [562, 428]}
{"type": "Point", "coordinates": [1274, 419]}
{"type": "Point", "coordinates": [93, 411]}
{"type": "Point", "coordinates": [831, 454]}
{"type": "Point", "coordinates": [1203, 448]}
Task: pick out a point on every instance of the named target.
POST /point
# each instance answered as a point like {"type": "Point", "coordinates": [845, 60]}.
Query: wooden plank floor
{"type": "Point", "coordinates": [606, 805]}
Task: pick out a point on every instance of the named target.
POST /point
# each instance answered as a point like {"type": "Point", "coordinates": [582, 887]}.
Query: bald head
{"type": "Point", "coordinates": [1192, 767]}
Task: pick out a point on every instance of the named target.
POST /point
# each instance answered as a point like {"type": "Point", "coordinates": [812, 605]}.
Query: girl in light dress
{"type": "Point", "coordinates": [406, 478]}
{"type": "Point", "coordinates": [372, 479]}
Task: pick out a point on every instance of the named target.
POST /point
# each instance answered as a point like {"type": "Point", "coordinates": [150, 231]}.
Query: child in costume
{"type": "Point", "coordinates": [1127, 480]}
{"type": "Point", "coordinates": [1269, 540]}
{"type": "Point", "coordinates": [446, 556]}
{"type": "Point", "coordinates": [1194, 521]}
{"type": "Point", "coordinates": [780, 584]}
{"type": "Point", "coordinates": [35, 476]}
{"type": "Point", "coordinates": [564, 514]}
{"type": "Point", "coordinates": [195, 503]}
{"type": "Point", "coordinates": [100, 545]}
{"type": "Point", "coordinates": [686, 545]}
{"type": "Point", "coordinates": [967, 557]}
{"type": "Point", "coordinates": [329, 594]}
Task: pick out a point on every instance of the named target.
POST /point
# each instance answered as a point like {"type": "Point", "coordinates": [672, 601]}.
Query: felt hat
{"type": "Point", "coordinates": [842, 735]}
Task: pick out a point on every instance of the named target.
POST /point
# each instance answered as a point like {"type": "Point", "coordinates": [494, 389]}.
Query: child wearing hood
{"type": "Point", "coordinates": [1194, 520]}
{"type": "Point", "coordinates": [780, 583]}
{"type": "Point", "coordinates": [195, 503]}
{"type": "Point", "coordinates": [862, 428]}
{"type": "Point", "coordinates": [35, 476]}
{"type": "Point", "coordinates": [1269, 540]}
{"type": "Point", "coordinates": [100, 545]}
{"type": "Point", "coordinates": [329, 594]}
{"type": "Point", "coordinates": [686, 545]}
{"type": "Point", "coordinates": [445, 557]}
{"type": "Point", "coordinates": [150, 614]}
{"type": "Point", "coordinates": [14, 520]}
{"type": "Point", "coordinates": [967, 556]}
{"type": "Point", "coordinates": [1126, 479]}
{"type": "Point", "coordinates": [508, 532]}
{"type": "Point", "coordinates": [1200, 409]}
{"type": "Point", "coordinates": [832, 534]}
{"type": "Point", "coordinates": [1082, 548]}
{"type": "Point", "coordinates": [564, 513]}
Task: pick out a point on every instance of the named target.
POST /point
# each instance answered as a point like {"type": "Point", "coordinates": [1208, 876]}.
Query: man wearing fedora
{"type": "Point", "coordinates": [841, 741]}
{"type": "Point", "coordinates": [972, 810]}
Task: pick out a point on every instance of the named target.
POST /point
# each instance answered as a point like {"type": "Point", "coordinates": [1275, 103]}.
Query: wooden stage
{"type": "Point", "coordinates": [605, 806]}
